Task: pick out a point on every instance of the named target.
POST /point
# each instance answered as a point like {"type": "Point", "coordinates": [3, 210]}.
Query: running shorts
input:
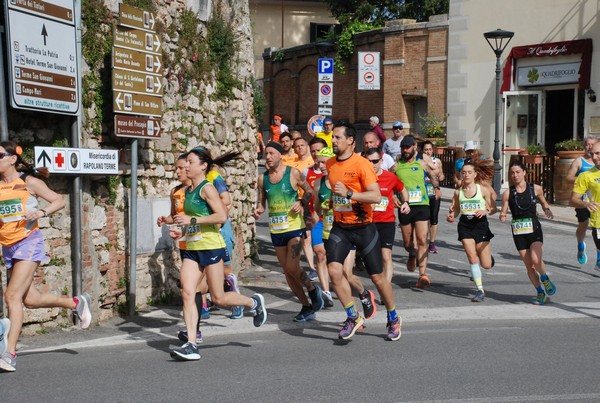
{"type": "Point", "coordinates": [417, 213]}
{"type": "Point", "coordinates": [364, 237]}
{"type": "Point", "coordinates": [387, 233]}
{"type": "Point", "coordinates": [475, 228]}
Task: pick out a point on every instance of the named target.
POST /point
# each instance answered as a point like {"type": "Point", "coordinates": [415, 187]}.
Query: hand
{"type": "Point", "coordinates": [438, 193]}
{"type": "Point", "coordinates": [182, 219]}
{"type": "Point", "coordinates": [296, 208]}
{"type": "Point", "coordinates": [161, 220]}
{"type": "Point", "coordinates": [258, 211]}
{"type": "Point", "coordinates": [548, 213]}
{"type": "Point", "coordinates": [592, 206]}
{"type": "Point", "coordinates": [502, 217]}
{"type": "Point", "coordinates": [340, 189]}
{"type": "Point", "coordinates": [33, 215]}
{"type": "Point", "coordinates": [405, 208]}
{"type": "Point", "coordinates": [175, 231]}
{"type": "Point", "coordinates": [450, 217]}
{"type": "Point", "coordinates": [480, 213]}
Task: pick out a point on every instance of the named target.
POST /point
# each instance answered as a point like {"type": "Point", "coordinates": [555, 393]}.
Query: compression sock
{"type": "Point", "coordinates": [540, 289]}
{"type": "Point", "coordinates": [544, 277]}
{"type": "Point", "coordinates": [476, 274]}
{"type": "Point", "coordinates": [198, 300]}
{"type": "Point", "coordinates": [351, 310]}
{"type": "Point", "coordinates": [581, 245]}
{"type": "Point", "coordinates": [392, 315]}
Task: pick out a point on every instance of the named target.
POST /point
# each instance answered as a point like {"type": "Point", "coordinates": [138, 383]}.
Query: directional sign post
{"type": "Point", "coordinates": [77, 161]}
{"type": "Point", "coordinates": [129, 126]}
{"type": "Point", "coordinates": [43, 60]}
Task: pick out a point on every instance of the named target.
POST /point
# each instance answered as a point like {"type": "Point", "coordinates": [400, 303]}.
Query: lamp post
{"type": "Point", "coordinates": [497, 40]}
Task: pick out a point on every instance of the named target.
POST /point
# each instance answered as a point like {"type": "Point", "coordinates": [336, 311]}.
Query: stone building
{"type": "Point", "coordinates": [201, 107]}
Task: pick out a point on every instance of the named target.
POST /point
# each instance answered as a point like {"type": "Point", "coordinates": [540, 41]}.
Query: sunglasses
{"type": "Point", "coordinates": [375, 161]}
{"type": "Point", "coordinates": [2, 155]}
{"type": "Point", "coordinates": [397, 128]}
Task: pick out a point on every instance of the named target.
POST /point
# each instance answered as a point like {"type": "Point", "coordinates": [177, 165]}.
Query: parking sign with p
{"type": "Point", "coordinates": [325, 69]}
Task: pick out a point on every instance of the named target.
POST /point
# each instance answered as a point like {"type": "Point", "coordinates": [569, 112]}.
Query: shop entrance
{"type": "Point", "coordinates": [559, 117]}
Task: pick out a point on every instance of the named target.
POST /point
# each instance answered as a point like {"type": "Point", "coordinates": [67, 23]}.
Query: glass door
{"type": "Point", "coordinates": [522, 124]}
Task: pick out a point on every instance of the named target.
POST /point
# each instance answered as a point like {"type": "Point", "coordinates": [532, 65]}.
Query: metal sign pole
{"type": "Point", "coordinates": [133, 227]}
{"type": "Point", "coordinates": [3, 110]}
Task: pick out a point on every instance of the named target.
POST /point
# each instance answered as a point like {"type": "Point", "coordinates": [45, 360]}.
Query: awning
{"type": "Point", "coordinates": [581, 46]}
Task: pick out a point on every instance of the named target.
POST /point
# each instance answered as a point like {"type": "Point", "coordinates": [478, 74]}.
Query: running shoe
{"type": "Point", "coordinates": [183, 336]}
{"type": "Point", "coordinates": [313, 276]}
{"type": "Point", "coordinates": [306, 314]}
{"type": "Point", "coordinates": [581, 255]}
{"type": "Point", "coordinates": [205, 314]}
{"type": "Point", "coordinates": [316, 299]}
{"type": "Point", "coordinates": [394, 329]}
{"type": "Point", "coordinates": [423, 282]}
{"type": "Point", "coordinates": [328, 299]}
{"type": "Point", "coordinates": [4, 329]}
{"type": "Point", "coordinates": [479, 296]}
{"type": "Point", "coordinates": [8, 363]}
{"type": "Point", "coordinates": [231, 278]}
{"type": "Point", "coordinates": [83, 310]}
{"type": "Point", "coordinates": [237, 312]}
{"type": "Point", "coordinates": [187, 352]}
{"type": "Point", "coordinates": [261, 310]}
{"type": "Point", "coordinates": [411, 263]}
{"type": "Point", "coordinates": [350, 327]}
{"type": "Point", "coordinates": [541, 299]}
{"type": "Point", "coordinates": [549, 286]}
{"type": "Point", "coordinates": [432, 248]}
{"type": "Point", "coordinates": [368, 303]}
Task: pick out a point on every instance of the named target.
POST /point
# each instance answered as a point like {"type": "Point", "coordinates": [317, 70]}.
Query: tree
{"type": "Point", "coordinates": [376, 12]}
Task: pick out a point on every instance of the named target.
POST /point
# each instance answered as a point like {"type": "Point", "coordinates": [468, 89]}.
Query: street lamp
{"type": "Point", "coordinates": [497, 40]}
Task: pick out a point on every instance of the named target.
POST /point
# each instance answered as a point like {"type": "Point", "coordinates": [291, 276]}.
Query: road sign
{"type": "Point", "coordinates": [325, 69]}
{"type": "Point", "coordinates": [368, 71]}
{"type": "Point", "coordinates": [43, 60]}
{"type": "Point", "coordinates": [315, 124]}
{"type": "Point", "coordinates": [57, 10]}
{"type": "Point", "coordinates": [325, 110]}
{"type": "Point", "coordinates": [77, 160]}
{"type": "Point", "coordinates": [133, 81]}
{"type": "Point", "coordinates": [136, 39]}
{"type": "Point", "coordinates": [137, 104]}
{"type": "Point", "coordinates": [326, 94]}
{"type": "Point", "coordinates": [136, 18]}
{"type": "Point", "coordinates": [134, 60]}
{"type": "Point", "coordinates": [129, 126]}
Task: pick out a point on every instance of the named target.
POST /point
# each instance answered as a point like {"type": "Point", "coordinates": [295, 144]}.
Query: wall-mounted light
{"type": "Point", "coordinates": [591, 95]}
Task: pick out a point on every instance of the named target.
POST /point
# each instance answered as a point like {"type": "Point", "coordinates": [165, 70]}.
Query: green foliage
{"type": "Point", "coordinates": [113, 185]}
{"type": "Point", "coordinates": [147, 5]}
{"type": "Point", "coordinates": [122, 282]}
{"type": "Point", "coordinates": [345, 43]}
{"type": "Point", "coordinates": [536, 149]}
{"type": "Point", "coordinates": [41, 331]}
{"type": "Point", "coordinates": [259, 101]}
{"type": "Point", "coordinates": [56, 261]}
{"type": "Point", "coordinates": [432, 125]}
{"type": "Point", "coordinates": [191, 52]}
{"type": "Point", "coordinates": [223, 48]}
{"type": "Point", "coordinates": [278, 55]}
{"type": "Point", "coordinates": [570, 145]}
{"type": "Point", "coordinates": [379, 11]}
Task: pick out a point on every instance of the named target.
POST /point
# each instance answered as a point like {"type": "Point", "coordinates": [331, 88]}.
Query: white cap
{"type": "Point", "coordinates": [470, 145]}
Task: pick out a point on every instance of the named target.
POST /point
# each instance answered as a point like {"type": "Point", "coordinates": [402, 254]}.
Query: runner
{"type": "Point", "coordinates": [588, 183]}
{"type": "Point", "coordinates": [578, 166]}
{"type": "Point", "coordinates": [475, 203]}
{"type": "Point", "coordinates": [412, 171]}
{"type": "Point", "coordinates": [23, 248]}
{"type": "Point", "coordinates": [205, 249]}
{"type": "Point", "coordinates": [288, 156]}
{"type": "Point", "coordinates": [354, 188]}
{"type": "Point", "coordinates": [279, 187]}
{"type": "Point", "coordinates": [323, 210]}
{"type": "Point", "coordinates": [383, 212]}
{"type": "Point", "coordinates": [526, 228]}
{"type": "Point", "coordinates": [434, 202]}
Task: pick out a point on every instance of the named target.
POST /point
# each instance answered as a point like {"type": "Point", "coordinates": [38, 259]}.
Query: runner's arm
{"type": "Point", "coordinates": [539, 194]}
{"type": "Point", "coordinates": [504, 209]}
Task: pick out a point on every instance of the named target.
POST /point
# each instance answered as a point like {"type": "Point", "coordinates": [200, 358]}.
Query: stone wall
{"type": "Point", "coordinates": [192, 116]}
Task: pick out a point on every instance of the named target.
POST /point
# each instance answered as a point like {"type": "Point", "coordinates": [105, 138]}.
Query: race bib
{"type": "Point", "coordinates": [467, 208]}
{"type": "Point", "coordinates": [522, 226]}
{"type": "Point", "coordinates": [193, 233]}
{"type": "Point", "coordinates": [279, 222]}
{"type": "Point", "coordinates": [382, 205]}
{"type": "Point", "coordinates": [341, 204]}
{"type": "Point", "coordinates": [327, 223]}
{"type": "Point", "coordinates": [11, 209]}
{"type": "Point", "coordinates": [415, 196]}
{"type": "Point", "coordinates": [429, 187]}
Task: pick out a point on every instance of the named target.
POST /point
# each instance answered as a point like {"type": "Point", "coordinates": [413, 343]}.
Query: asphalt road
{"type": "Point", "coordinates": [502, 350]}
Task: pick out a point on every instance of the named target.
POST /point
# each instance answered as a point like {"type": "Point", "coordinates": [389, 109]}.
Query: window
{"type": "Point", "coordinates": [318, 32]}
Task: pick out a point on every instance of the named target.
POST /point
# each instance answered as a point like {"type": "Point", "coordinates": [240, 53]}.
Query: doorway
{"type": "Point", "coordinates": [560, 117]}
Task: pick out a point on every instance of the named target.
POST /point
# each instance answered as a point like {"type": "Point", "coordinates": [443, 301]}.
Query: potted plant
{"type": "Point", "coordinates": [566, 151]}
{"type": "Point", "coordinates": [534, 154]}
{"type": "Point", "coordinates": [433, 129]}
{"type": "Point", "coordinates": [571, 148]}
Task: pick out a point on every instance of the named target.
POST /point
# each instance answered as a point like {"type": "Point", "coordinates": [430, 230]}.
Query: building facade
{"type": "Point", "coordinates": [548, 79]}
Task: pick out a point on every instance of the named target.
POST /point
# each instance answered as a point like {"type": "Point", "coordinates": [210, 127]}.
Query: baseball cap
{"type": "Point", "coordinates": [470, 145]}
{"type": "Point", "coordinates": [408, 141]}
{"type": "Point", "coordinates": [328, 120]}
{"type": "Point", "coordinates": [399, 124]}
